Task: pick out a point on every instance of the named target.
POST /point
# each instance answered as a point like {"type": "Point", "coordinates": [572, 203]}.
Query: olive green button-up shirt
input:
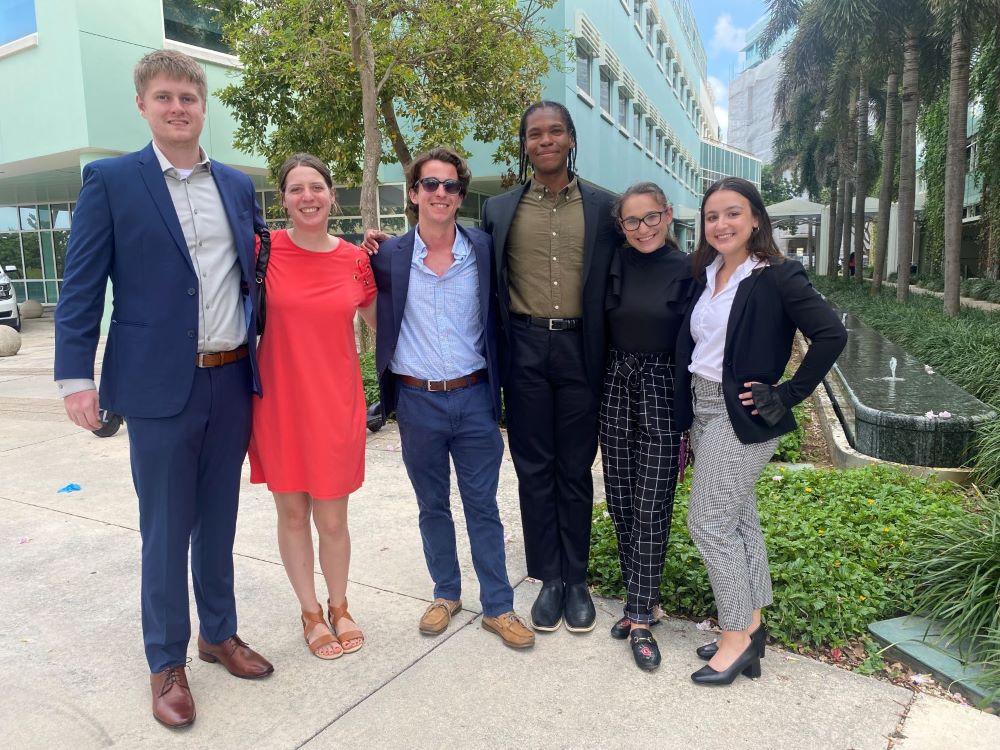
{"type": "Point", "coordinates": [545, 253]}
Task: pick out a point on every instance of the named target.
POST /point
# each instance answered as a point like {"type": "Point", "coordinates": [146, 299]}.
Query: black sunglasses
{"type": "Point", "coordinates": [431, 184]}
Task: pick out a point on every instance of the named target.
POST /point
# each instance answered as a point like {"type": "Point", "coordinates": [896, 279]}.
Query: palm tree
{"type": "Point", "coordinates": [890, 125]}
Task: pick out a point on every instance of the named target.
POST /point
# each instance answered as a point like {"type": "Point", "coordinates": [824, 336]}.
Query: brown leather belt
{"type": "Point", "coordinates": [217, 359]}
{"type": "Point", "coordinates": [439, 386]}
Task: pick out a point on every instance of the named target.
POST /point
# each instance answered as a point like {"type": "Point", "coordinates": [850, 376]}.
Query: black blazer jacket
{"type": "Point", "coordinates": [769, 306]}
{"type": "Point", "coordinates": [600, 238]}
{"type": "Point", "coordinates": [391, 267]}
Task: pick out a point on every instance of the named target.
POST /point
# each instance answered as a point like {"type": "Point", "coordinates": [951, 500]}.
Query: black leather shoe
{"type": "Point", "coordinates": [581, 617]}
{"type": "Point", "coordinates": [644, 649]}
{"type": "Point", "coordinates": [620, 630]}
{"type": "Point", "coordinates": [747, 664]}
{"type": "Point", "coordinates": [759, 636]}
{"type": "Point", "coordinates": [547, 611]}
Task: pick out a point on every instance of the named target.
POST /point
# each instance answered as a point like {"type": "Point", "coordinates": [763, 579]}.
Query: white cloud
{"type": "Point", "coordinates": [720, 90]}
{"type": "Point", "coordinates": [722, 114]}
{"type": "Point", "coordinates": [728, 38]}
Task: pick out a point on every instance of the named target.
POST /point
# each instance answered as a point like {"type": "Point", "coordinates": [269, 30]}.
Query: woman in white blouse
{"type": "Point", "coordinates": [733, 348]}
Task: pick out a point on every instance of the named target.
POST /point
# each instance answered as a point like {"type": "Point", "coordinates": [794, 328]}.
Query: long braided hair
{"type": "Point", "coordinates": [522, 172]}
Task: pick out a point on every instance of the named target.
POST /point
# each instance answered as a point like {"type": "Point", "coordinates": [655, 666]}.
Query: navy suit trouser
{"type": "Point", "coordinates": [461, 424]}
{"type": "Point", "coordinates": [186, 469]}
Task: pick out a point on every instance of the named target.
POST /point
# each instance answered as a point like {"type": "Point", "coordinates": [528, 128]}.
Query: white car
{"type": "Point", "coordinates": [10, 315]}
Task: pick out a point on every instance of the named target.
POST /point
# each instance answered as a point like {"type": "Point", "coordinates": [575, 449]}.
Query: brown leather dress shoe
{"type": "Point", "coordinates": [236, 656]}
{"type": "Point", "coordinates": [511, 629]}
{"type": "Point", "coordinates": [173, 704]}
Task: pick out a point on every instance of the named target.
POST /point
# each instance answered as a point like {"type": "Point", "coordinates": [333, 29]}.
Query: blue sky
{"type": "Point", "coordinates": [722, 24]}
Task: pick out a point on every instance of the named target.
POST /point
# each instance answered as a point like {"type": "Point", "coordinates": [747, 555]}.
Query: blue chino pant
{"type": "Point", "coordinates": [186, 470]}
{"type": "Point", "coordinates": [459, 424]}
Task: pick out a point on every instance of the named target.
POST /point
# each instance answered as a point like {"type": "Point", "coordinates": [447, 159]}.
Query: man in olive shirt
{"type": "Point", "coordinates": [554, 237]}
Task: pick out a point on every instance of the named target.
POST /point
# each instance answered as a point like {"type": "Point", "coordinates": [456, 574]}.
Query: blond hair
{"type": "Point", "coordinates": [172, 64]}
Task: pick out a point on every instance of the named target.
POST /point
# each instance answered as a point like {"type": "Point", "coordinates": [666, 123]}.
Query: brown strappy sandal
{"type": "Point", "coordinates": [338, 613]}
{"type": "Point", "coordinates": [311, 621]}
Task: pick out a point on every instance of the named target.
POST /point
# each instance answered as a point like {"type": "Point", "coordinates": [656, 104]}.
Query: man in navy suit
{"type": "Point", "coordinates": [174, 231]}
{"type": "Point", "coordinates": [436, 354]}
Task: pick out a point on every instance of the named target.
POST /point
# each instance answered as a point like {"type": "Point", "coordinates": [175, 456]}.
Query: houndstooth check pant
{"type": "Point", "coordinates": [639, 447]}
{"type": "Point", "coordinates": [722, 511]}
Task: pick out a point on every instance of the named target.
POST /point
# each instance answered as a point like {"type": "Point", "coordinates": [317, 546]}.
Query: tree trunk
{"type": "Point", "coordinates": [850, 157]}
{"type": "Point", "coordinates": [954, 171]}
{"type": "Point", "coordinates": [888, 174]}
{"type": "Point", "coordinates": [364, 60]}
{"type": "Point", "coordinates": [831, 233]}
{"type": "Point", "coordinates": [842, 206]}
{"type": "Point", "coordinates": [395, 133]}
{"type": "Point", "coordinates": [861, 181]}
{"type": "Point", "coordinates": [908, 162]}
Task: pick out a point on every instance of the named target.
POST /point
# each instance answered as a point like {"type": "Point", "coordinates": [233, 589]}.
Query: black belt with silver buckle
{"type": "Point", "coordinates": [552, 324]}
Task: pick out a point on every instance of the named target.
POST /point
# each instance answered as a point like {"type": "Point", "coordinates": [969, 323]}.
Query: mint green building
{"type": "Point", "coordinates": [637, 91]}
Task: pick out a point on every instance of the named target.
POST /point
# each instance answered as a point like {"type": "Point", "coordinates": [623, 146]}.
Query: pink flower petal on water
{"type": "Point", "coordinates": [944, 415]}
{"type": "Point", "coordinates": [930, 415]}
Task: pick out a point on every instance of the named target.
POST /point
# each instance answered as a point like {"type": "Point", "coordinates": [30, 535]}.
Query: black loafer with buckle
{"type": "Point", "coordinates": [644, 649]}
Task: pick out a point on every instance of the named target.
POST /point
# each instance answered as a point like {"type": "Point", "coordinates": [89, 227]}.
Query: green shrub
{"type": "Point", "coordinates": [790, 445]}
{"type": "Point", "coordinates": [965, 349]}
{"type": "Point", "coordinates": [956, 575]}
{"type": "Point", "coordinates": [837, 543]}
{"type": "Point", "coordinates": [369, 377]}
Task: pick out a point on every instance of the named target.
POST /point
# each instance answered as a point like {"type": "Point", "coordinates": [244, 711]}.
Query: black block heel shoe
{"type": "Point", "coordinates": [759, 636]}
{"type": "Point", "coordinates": [644, 649]}
{"type": "Point", "coordinates": [620, 630]}
{"type": "Point", "coordinates": [747, 664]}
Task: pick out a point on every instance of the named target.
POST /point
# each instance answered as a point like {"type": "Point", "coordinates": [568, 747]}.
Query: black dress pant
{"type": "Point", "coordinates": [552, 432]}
{"type": "Point", "coordinates": [639, 447]}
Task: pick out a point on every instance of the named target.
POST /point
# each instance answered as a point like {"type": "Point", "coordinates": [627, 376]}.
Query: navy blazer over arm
{"type": "Point", "coordinates": [769, 306]}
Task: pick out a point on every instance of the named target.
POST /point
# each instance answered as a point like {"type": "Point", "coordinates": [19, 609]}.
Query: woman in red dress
{"type": "Point", "coordinates": [308, 440]}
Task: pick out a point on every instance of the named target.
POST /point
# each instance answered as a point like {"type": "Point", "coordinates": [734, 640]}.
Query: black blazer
{"type": "Point", "coordinates": [391, 267]}
{"type": "Point", "coordinates": [600, 238]}
{"type": "Point", "coordinates": [769, 305]}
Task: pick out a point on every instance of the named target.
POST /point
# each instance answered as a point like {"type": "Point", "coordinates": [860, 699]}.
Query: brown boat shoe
{"type": "Point", "coordinates": [511, 629]}
{"type": "Point", "coordinates": [437, 616]}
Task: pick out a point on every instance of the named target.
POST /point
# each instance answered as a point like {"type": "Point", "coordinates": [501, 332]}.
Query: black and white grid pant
{"type": "Point", "coordinates": [722, 511]}
{"type": "Point", "coordinates": [639, 447]}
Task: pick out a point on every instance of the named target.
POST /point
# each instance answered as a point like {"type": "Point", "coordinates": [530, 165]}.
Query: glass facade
{"type": "Point", "coordinates": [33, 238]}
{"type": "Point", "coordinates": [718, 161]}
{"type": "Point", "coordinates": [17, 20]}
{"type": "Point", "coordinates": [191, 23]}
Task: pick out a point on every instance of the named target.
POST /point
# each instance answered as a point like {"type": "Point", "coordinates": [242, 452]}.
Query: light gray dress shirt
{"type": "Point", "coordinates": [209, 238]}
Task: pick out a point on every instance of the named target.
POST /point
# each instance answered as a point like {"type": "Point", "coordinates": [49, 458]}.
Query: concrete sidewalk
{"type": "Point", "coordinates": [75, 675]}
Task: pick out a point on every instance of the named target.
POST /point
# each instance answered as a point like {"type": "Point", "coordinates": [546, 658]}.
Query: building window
{"type": "Point", "coordinates": [622, 108]}
{"type": "Point", "coordinates": [33, 238]}
{"type": "Point", "coordinates": [17, 20]}
{"type": "Point", "coordinates": [650, 25]}
{"type": "Point", "coordinates": [637, 9]}
{"type": "Point", "coordinates": [583, 64]}
{"type": "Point", "coordinates": [649, 136]}
{"type": "Point", "coordinates": [659, 145]}
{"type": "Point", "coordinates": [637, 122]}
{"type": "Point", "coordinates": [190, 23]}
{"type": "Point", "coordinates": [606, 92]}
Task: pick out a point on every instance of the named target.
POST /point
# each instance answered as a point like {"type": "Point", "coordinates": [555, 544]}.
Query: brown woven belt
{"type": "Point", "coordinates": [443, 385]}
{"type": "Point", "coordinates": [216, 359]}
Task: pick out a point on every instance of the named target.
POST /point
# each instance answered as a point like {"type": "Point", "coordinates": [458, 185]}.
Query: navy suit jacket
{"type": "Point", "coordinates": [600, 239]}
{"type": "Point", "coordinates": [125, 228]}
{"type": "Point", "coordinates": [391, 267]}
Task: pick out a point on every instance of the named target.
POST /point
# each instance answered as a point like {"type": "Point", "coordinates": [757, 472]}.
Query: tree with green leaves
{"type": "Point", "coordinates": [365, 82]}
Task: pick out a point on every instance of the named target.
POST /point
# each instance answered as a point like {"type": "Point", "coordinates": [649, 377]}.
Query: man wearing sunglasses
{"type": "Point", "coordinates": [436, 356]}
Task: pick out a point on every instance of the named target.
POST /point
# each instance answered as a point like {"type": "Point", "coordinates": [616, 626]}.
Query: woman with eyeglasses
{"type": "Point", "coordinates": [733, 348]}
{"type": "Point", "coordinates": [647, 293]}
{"type": "Point", "coordinates": [308, 438]}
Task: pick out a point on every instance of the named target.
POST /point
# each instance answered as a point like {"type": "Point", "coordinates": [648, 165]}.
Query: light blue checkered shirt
{"type": "Point", "coordinates": [441, 336]}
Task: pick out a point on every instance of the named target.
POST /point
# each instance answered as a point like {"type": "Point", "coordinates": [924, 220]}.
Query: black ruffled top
{"type": "Point", "coordinates": [647, 296]}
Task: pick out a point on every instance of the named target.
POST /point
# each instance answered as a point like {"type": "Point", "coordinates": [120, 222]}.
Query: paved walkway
{"type": "Point", "coordinates": [967, 301]}
{"type": "Point", "coordinates": [75, 675]}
